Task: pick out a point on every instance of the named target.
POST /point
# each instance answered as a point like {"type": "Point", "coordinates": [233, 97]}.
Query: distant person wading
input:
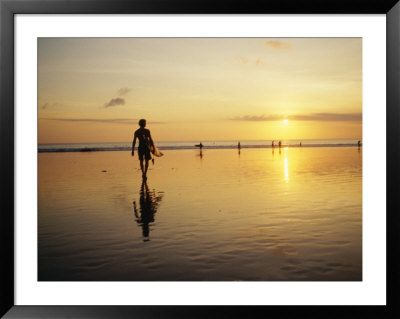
{"type": "Point", "coordinates": [145, 143]}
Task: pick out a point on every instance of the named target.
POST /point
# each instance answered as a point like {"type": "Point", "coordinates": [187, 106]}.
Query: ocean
{"type": "Point", "coordinates": [255, 214]}
{"type": "Point", "coordinates": [179, 145]}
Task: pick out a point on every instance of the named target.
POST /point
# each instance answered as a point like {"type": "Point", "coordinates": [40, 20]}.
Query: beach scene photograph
{"type": "Point", "coordinates": [199, 159]}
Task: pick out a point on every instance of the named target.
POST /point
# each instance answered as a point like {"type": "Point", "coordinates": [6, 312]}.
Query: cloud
{"type": "Point", "coordinates": [242, 59]}
{"type": "Point", "coordinates": [324, 117]}
{"type": "Point", "coordinates": [276, 44]}
{"type": "Point", "coordinates": [329, 117]}
{"type": "Point", "coordinates": [119, 121]}
{"type": "Point", "coordinates": [106, 121]}
{"type": "Point", "coordinates": [47, 105]}
{"type": "Point", "coordinates": [123, 91]}
{"type": "Point", "coordinates": [115, 102]}
{"type": "Point", "coordinates": [118, 101]}
{"type": "Point", "coordinates": [255, 118]}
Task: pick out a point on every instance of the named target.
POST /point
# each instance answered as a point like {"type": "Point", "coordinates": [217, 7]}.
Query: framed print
{"type": "Point", "coordinates": [173, 159]}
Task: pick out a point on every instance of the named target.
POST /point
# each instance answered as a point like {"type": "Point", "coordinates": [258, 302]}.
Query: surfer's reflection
{"type": "Point", "coordinates": [149, 201]}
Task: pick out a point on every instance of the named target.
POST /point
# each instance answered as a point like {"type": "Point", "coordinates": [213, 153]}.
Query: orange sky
{"type": "Point", "coordinates": [96, 90]}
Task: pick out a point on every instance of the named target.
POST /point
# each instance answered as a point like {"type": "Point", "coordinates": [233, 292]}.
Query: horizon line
{"type": "Point", "coordinates": [221, 140]}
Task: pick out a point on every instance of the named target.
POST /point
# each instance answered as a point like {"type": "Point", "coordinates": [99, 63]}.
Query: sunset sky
{"type": "Point", "coordinates": [96, 89]}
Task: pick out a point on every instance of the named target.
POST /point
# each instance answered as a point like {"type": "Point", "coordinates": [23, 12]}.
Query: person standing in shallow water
{"type": "Point", "coordinates": [145, 141]}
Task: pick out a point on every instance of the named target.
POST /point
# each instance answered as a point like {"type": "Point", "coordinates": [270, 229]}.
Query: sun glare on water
{"type": "Point", "coordinates": [285, 121]}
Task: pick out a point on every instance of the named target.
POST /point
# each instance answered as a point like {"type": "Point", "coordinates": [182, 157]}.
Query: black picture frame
{"type": "Point", "coordinates": [8, 8]}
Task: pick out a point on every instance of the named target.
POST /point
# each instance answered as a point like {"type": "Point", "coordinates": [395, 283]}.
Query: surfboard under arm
{"type": "Point", "coordinates": [154, 150]}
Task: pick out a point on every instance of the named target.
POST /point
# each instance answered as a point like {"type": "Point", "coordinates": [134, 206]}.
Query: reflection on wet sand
{"type": "Point", "coordinates": [294, 216]}
{"type": "Point", "coordinates": [149, 201]}
{"type": "Point", "coordinates": [286, 170]}
{"type": "Point", "coordinates": [286, 166]}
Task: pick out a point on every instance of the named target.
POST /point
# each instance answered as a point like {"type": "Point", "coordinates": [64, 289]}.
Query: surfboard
{"type": "Point", "coordinates": [154, 150]}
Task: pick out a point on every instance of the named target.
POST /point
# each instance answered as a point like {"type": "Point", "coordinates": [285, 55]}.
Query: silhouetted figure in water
{"type": "Point", "coordinates": [145, 141]}
{"type": "Point", "coordinates": [200, 146]}
{"type": "Point", "coordinates": [272, 144]}
{"type": "Point", "coordinates": [280, 144]}
{"type": "Point", "coordinates": [300, 144]}
{"type": "Point", "coordinates": [149, 202]}
{"type": "Point", "coordinates": [239, 147]}
{"type": "Point", "coordinates": [359, 143]}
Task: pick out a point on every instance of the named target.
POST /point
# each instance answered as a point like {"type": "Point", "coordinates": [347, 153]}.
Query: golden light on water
{"type": "Point", "coordinates": [286, 166]}
{"type": "Point", "coordinates": [285, 121]}
{"type": "Point", "coordinates": [244, 208]}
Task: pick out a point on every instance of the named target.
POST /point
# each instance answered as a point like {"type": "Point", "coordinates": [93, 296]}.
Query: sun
{"type": "Point", "coordinates": [285, 121]}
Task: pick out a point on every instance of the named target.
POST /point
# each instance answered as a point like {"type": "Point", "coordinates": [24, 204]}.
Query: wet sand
{"type": "Point", "coordinates": [266, 215]}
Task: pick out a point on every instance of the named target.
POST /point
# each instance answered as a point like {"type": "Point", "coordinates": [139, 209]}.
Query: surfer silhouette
{"type": "Point", "coordinates": [144, 148]}
{"type": "Point", "coordinates": [200, 146]}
